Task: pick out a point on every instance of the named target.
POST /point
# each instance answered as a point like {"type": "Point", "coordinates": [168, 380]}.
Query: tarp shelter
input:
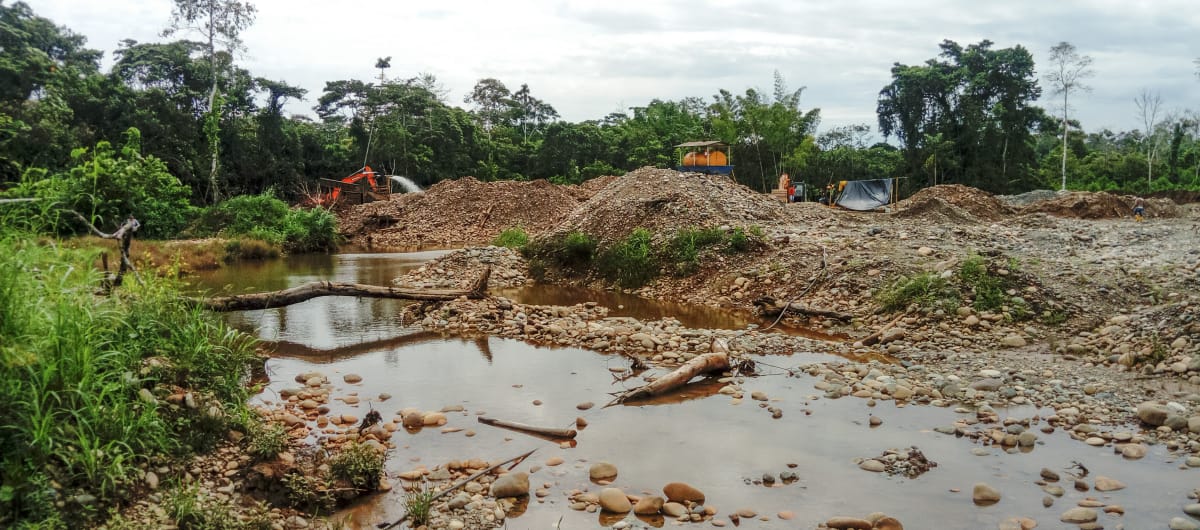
{"type": "Point", "coordinates": [866, 195]}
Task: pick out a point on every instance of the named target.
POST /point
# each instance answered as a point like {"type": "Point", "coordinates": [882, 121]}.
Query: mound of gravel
{"type": "Point", "coordinates": [964, 202]}
{"type": "Point", "coordinates": [665, 201]}
{"type": "Point", "coordinates": [1100, 205]}
{"type": "Point", "coordinates": [1025, 199]}
{"type": "Point", "coordinates": [462, 212]}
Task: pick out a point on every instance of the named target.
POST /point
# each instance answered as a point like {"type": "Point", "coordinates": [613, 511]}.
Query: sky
{"type": "Point", "coordinates": [589, 58]}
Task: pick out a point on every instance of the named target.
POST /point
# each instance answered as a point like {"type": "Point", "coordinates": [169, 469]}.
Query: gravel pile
{"type": "Point", "coordinates": [954, 200]}
{"type": "Point", "coordinates": [461, 211]}
{"type": "Point", "coordinates": [461, 267]}
{"type": "Point", "coordinates": [664, 200]}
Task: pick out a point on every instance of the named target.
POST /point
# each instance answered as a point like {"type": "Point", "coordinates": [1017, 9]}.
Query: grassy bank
{"type": "Point", "coordinates": [98, 388]}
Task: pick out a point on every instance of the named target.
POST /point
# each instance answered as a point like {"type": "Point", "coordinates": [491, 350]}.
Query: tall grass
{"type": "Point", "coordinates": [265, 217]}
{"type": "Point", "coordinates": [72, 364]}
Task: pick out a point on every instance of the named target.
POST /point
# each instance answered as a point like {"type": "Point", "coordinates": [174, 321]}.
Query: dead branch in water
{"type": "Point", "coordinates": [716, 360]}
{"type": "Point", "coordinates": [308, 291]}
{"type": "Point", "coordinates": [769, 307]}
{"type": "Point", "coordinates": [515, 460]}
{"type": "Point", "coordinates": [124, 237]}
{"type": "Point", "coordinates": [543, 431]}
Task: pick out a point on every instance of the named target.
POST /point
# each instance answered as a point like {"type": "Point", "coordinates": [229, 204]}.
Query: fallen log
{"type": "Point", "coordinates": [874, 337]}
{"type": "Point", "coordinates": [542, 431]}
{"type": "Point", "coordinates": [308, 291]}
{"type": "Point", "coordinates": [714, 361]}
{"type": "Point", "coordinates": [768, 307]}
{"type": "Point", "coordinates": [515, 460]}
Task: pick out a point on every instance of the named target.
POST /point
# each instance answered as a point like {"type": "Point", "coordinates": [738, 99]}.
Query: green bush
{"type": "Point", "coordinates": [514, 237]}
{"type": "Point", "coordinates": [683, 250]}
{"type": "Point", "coordinates": [267, 440]}
{"type": "Point", "coordinates": [106, 185]}
{"type": "Point", "coordinates": [250, 249]}
{"type": "Point", "coordinates": [84, 379]}
{"type": "Point", "coordinates": [743, 240]}
{"type": "Point", "coordinates": [630, 262]}
{"type": "Point", "coordinates": [359, 464]}
{"type": "Point", "coordinates": [578, 249]}
{"type": "Point", "coordinates": [266, 218]}
{"type": "Point", "coordinates": [927, 290]}
{"type": "Point", "coordinates": [990, 289]}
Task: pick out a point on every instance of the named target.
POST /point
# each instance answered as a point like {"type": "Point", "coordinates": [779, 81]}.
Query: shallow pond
{"type": "Point", "coordinates": [698, 437]}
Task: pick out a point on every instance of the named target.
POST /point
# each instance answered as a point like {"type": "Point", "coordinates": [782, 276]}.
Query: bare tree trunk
{"type": "Point", "coordinates": [212, 99]}
{"type": "Point", "coordinates": [715, 361]}
{"type": "Point", "coordinates": [543, 431]}
{"type": "Point", "coordinates": [308, 291]}
{"type": "Point", "coordinates": [1066, 128]}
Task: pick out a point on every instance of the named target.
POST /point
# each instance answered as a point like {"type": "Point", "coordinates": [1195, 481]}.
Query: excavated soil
{"type": "Point", "coordinates": [663, 200]}
{"type": "Point", "coordinates": [954, 202]}
{"type": "Point", "coordinates": [462, 211]}
{"type": "Point", "coordinates": [1100, 205]}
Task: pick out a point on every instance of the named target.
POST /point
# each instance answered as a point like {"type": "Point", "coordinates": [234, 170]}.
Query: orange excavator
{"type": "Point", "coordinates": [379, 188]}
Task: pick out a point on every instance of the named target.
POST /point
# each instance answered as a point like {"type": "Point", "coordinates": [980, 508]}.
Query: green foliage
{"type": "Point", "coordinates": [359, 464]}
{"type": "Point", "coordinates": [193, 511]}
{"type": "Point", "coordinates": [250, 249]}
{"type": "Point", "coordinates": [418, 504]}
{"type": "Point", "coordinates": [631, 261]}
{"type": "Point", "coordinates": [106, 185]}
{"type": "Point", "coordinates": [926, 290]}
{"type": "Point", "coordinates": [745, 240]}
{"type": "Point", "coordinates": [578, 248]}
{"type": "Point", "coordinates": [574, 250]}
{"type": "Point", "coordinates": [990, 289]}
{"type": "Point", "coordinates": [266, 218]}
{"type": "Point", "coordinates": [310, 493]}
{"type": "Point", "coordinates": [77, 372]}
{"type": "Point", "coordinates": [683, 250]}
{"type": "Point", "coordinates": [514, 237]}
{"type": "Point", "coordinates": [267, 440]}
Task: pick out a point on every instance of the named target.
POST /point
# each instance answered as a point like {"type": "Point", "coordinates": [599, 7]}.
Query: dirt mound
{"type": "Point", "coordinates": [1025, 199]}
{"type": "Point", "coordinates": [936, 210]}
{"type": "Point", "coordinates": [461, 211]}
{"type": "Point", "coordinates": [664, 200]}
{"type": "Point", "coordinates": [975, 203]}
{"type": "Point", "coordinates": [1100, 205]}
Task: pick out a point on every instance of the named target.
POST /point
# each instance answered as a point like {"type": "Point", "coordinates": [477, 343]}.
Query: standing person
{"type": "Point", "coordinates": [1139, 210]}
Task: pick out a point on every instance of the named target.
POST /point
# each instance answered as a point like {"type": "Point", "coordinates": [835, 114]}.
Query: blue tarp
{"type": "Point", "coordinates": [866, 195]}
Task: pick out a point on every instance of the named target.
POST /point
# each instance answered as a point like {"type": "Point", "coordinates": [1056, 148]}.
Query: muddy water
{"type": "Point", "coordinates": [710, 443]}
{"type": "Point", "coordinates": [697, 437]}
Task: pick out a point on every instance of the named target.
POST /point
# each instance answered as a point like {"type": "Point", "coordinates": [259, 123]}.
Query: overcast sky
{"type": "Point", "coordinates": [590, 58]}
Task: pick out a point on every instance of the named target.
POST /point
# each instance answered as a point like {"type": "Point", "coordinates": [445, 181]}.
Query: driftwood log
{"type": "Point", "coordinates": [124, 237]}
{"type": "Point", "coordinates": [770, 307]}
{"type": "Point", "coordinates": [874, 337]}
{"type": "Point", "coordinates": [308, 291]}
{"type": "Point", "coordinates": [542, 431]}
{"type": "Point", "coordinates": [715, 361]}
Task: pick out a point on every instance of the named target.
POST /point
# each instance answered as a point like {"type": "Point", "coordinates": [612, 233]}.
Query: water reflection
{"type": "Point", "coordinates": [708, 442]}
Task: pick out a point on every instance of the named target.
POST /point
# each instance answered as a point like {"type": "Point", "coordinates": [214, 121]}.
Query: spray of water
{"type": "Point", "coordinates": [407, 183]}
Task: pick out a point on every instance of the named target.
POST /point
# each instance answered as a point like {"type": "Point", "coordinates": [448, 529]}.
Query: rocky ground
{"type": "Point", "coordinates": [1099, 336]}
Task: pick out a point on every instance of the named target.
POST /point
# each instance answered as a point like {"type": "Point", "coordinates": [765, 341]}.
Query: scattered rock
{"type": "Point", "coordinates": [614, 500]}
{"type": "Point", "coordinates": [511, 485]}
{"type": "Point", "coordinates": [602, 471]}
{"type": "Point", "coordinates": [984, 494]}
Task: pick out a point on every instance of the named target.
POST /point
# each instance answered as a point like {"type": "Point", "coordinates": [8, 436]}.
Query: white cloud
{"type": "Point", "coordinates": [589, 58]}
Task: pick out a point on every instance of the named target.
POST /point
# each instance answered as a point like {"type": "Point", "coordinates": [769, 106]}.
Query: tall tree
{"type": "Point", "coordinates": [1068, 70]}
{"type": "Point", "coordinates": [220, 23]}
{"type": "Point", "coordinates": [980, 99]}
{"type": "Point", "coordinates": [1149, 105]}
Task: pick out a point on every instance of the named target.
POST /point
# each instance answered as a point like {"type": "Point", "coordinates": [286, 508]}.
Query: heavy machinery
{"type": "Point", "coordinates": [364, 185]}
{"type": "Point", "coordinates": [705, 157]}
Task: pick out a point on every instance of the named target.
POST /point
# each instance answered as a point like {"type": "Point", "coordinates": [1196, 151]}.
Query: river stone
{"type": "Point", "coordinates": [1054, 489]}
{"type": "Point", "coordinates": [848, 522]}
{"type": "Point", "coordinates": [151, 480]}
{"type": "Point", "coordinates": [872, 465]}
{"type": "Point", "coordinates": [887, 523]}
{"type": "Point", "coordinates": [1104, 483]}
{"type": "Point", "coordinates": [511, 485]}
{"type": "Point", "coordinates": [1153, 413]}
{"type": "Point", "coordinates": [1026, 439]}
{"type": "Point", "coordinates": [459, 501]}
{"type": "Point", "coordinates": [1133, 451]}
{"type": "Point", "coordinates": [602, 471]}
{"type": "Point", "coordinates": [1078, 515]}
{"type": "Point", "coordinates": [554, 461]}
{"type": "Point", "coordinates": [352, 378]}
{"type": "Point", "coordinates": [413, 420]}
{"type": "Point", "coordinates": [1194, 424]}
{"type": "Point", "coordinates": [673, 509]}
{"type": "Point", "coordinates": [585, 405]}
{"type": "Point", "coordinates": [648, 505]}
{"type": "Point", "coordinates": [614, 500]}
{"type": "Point", "coordinates": [987, 385]}
{"type": "Point", "coordinates": [971, 320]}
{"type": "Point", "coordinates": [1049, 474]}
{"type": "Point", "coordinates": [1013, 341]}
{"type": "Point", "coordinates": [1179, 523]}
{"type": "Point", "coordinates": [984, 494]}
{"type": "Point", "coordinates": [682, 492]}
{"type": "Point", "coordinates": [1192, 510]}
{"type": "Point", "coordinates": [432, 419]}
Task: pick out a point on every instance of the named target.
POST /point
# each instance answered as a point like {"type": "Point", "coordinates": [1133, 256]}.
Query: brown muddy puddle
{"type": "Point", "coordinates": [703, 439]}
{"type": "Point", "coordinates": [696, 436]}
